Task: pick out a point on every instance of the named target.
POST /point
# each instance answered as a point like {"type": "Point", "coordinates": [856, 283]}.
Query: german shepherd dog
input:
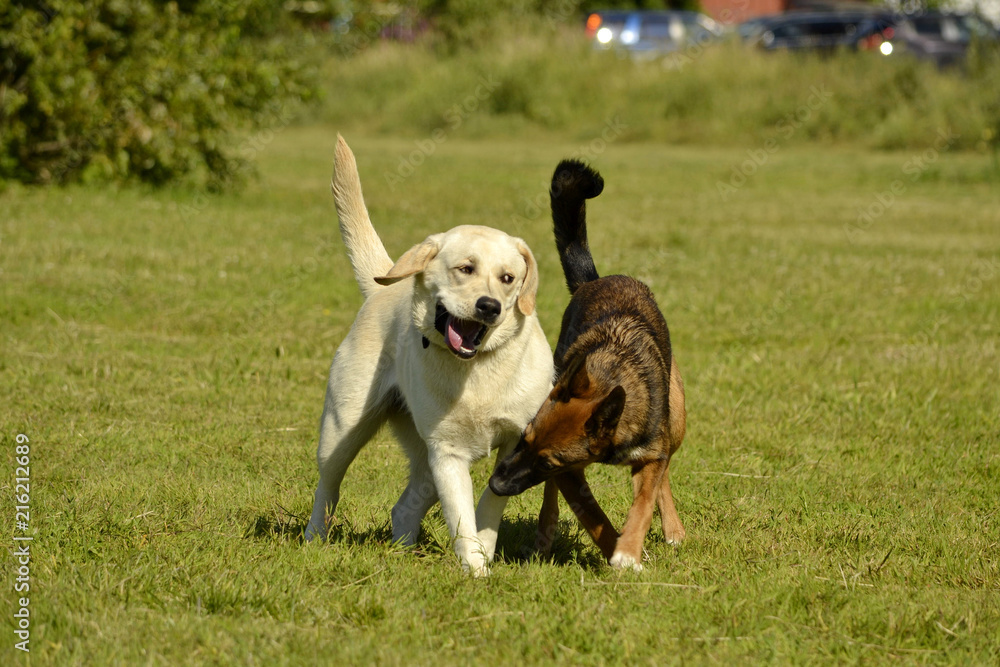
{"type": "Point", "coordinates": [618, 396]}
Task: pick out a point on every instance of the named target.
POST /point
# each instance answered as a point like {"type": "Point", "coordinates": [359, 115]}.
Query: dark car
{"type": "Point", "coordinates": [647, 34]}
{"type": "Point", "coordinates": [941, 37]}
{"type": "Point", "coordinates": [821, 31]}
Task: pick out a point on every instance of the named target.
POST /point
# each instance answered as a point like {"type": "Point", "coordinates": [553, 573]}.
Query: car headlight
{"type": "Point", "coordinates": [604, 35]}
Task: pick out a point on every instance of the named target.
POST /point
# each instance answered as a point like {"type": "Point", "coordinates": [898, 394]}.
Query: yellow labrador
{"type": "Point", "coordinates": [448, 350]}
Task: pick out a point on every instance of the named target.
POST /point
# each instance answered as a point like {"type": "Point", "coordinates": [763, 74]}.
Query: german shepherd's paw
{"type": "Point", "coordinates": [674, 538]}
{"type": "Point", "coordinates": [623, 561]}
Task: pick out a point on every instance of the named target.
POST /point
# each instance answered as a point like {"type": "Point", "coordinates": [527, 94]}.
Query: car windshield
{"type": "Point", "coordinates": [753, 27]}
{"type": "Point", "coordinates": [818, 28]}
{"type": "Point", "coordinates": [698, 31]}
{"type": "Point", "coordinates": [947, 28]}
{"type": "Point", "coordinates": [614, 21]}
{"type": "Point", "coordinates": [661, 29]}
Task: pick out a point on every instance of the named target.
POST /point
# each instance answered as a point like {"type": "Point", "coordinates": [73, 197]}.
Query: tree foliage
{"type": "Point", "coordinates": [143, 90]}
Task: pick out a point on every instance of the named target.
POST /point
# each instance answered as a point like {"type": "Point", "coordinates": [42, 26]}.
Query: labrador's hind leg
{"type": "Point", "coordinates": [353, 411]}
{"type": "Point", "coordinates": [339, 444]}
{"type": "Point", "coordinates": [420, 493]}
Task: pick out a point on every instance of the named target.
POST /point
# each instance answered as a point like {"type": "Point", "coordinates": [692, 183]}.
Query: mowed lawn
{"type": "Point", "coordinates": [835, 313]}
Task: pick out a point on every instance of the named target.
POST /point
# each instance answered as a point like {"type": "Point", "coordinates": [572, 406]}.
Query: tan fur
{"type": "Point", "coordinates": [618, 398]}
{"type": "Point", "coordinates": [526, 299]}
{"type": "Point", "coordinates": [413, 261]}
{"type": "Point", "coordinates": [651, 483]}
{"type": "Point", "coordinates": [614, 401]}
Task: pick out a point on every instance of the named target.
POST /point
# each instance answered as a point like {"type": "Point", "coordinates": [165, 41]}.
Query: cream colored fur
{"type": "Point", "coordinates": [395, 367]}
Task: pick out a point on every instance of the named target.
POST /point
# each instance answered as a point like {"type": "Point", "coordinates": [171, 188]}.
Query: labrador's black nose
{"type": "Point", "coordinates": [488, 309]}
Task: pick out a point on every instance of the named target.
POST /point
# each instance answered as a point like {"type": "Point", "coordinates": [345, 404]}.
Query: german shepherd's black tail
{"type": "Point", "coordinates": [573, 184]}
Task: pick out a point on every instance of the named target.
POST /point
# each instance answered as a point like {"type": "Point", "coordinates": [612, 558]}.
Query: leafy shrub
{"type": "Point", "coordinates": [143, 90]}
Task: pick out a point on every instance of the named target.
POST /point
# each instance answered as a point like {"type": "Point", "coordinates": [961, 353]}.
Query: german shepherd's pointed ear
{"type": "Point", "coordinates": [529, 288]}
{"type": "Point", "coordinates": [412, 262]}
{"type": "Point", "coordinates": [574, 381]}
{"type": "Point", "coordinates": [604, 419]}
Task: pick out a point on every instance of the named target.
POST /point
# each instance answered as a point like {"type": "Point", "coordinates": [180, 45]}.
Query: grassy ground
{"type": "Point", "coordinates": [835, 313]}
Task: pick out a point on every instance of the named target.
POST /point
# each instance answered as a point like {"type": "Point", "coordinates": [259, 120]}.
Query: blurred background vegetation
{"type": "Point", "coordinates": [158, 92]}
{"type": "Point", "coordinates": [145, 90]}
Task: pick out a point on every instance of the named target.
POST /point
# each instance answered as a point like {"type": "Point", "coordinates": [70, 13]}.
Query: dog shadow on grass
{"type": "Point", "coordinates": [572, 546]}
{"type": "Point", "coordinates": [278, 524]}
{"type": "Point", "coordinates": [515, 542]}
{"type": "Point", "coordinates": [285, 526]}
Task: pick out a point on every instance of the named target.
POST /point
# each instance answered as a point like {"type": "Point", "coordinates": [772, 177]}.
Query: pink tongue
{"type": "Point", "coordinates": [461, 333]}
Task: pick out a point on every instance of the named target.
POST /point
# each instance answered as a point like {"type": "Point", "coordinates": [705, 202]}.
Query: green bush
{"type": "Point", "coordinates": [144, 90]}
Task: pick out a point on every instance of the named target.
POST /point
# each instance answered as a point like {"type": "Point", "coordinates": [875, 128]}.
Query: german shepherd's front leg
{"type": "Point", "coordinates": [548, 518]}
{"type": "Point", "coordinates": [673, 529]}
{"type": "Point", "coordinates": [646, 479]}
{"type": "Point", "coordinates": [574, 488]}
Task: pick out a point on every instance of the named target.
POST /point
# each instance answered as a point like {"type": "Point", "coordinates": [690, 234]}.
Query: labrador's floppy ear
{"type": "Point", "coordinates": [412, 262]}
{"type": "Point", "coordinates": [529, 288]}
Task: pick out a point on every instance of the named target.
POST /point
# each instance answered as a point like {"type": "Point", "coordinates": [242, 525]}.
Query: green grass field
{"type": "Point", "coordinates": [835, 312]}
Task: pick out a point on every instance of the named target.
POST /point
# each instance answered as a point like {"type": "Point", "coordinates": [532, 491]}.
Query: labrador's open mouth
{"type": "Point", "coordinates": [461, 336]}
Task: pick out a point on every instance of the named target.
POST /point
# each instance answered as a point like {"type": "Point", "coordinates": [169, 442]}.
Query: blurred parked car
{"type": "Point", "coordinates": [824, 31]}
{"type": "Point", "coordinates": [943, 38]}
{"type": "Point", "coordinates": [647, 34]}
